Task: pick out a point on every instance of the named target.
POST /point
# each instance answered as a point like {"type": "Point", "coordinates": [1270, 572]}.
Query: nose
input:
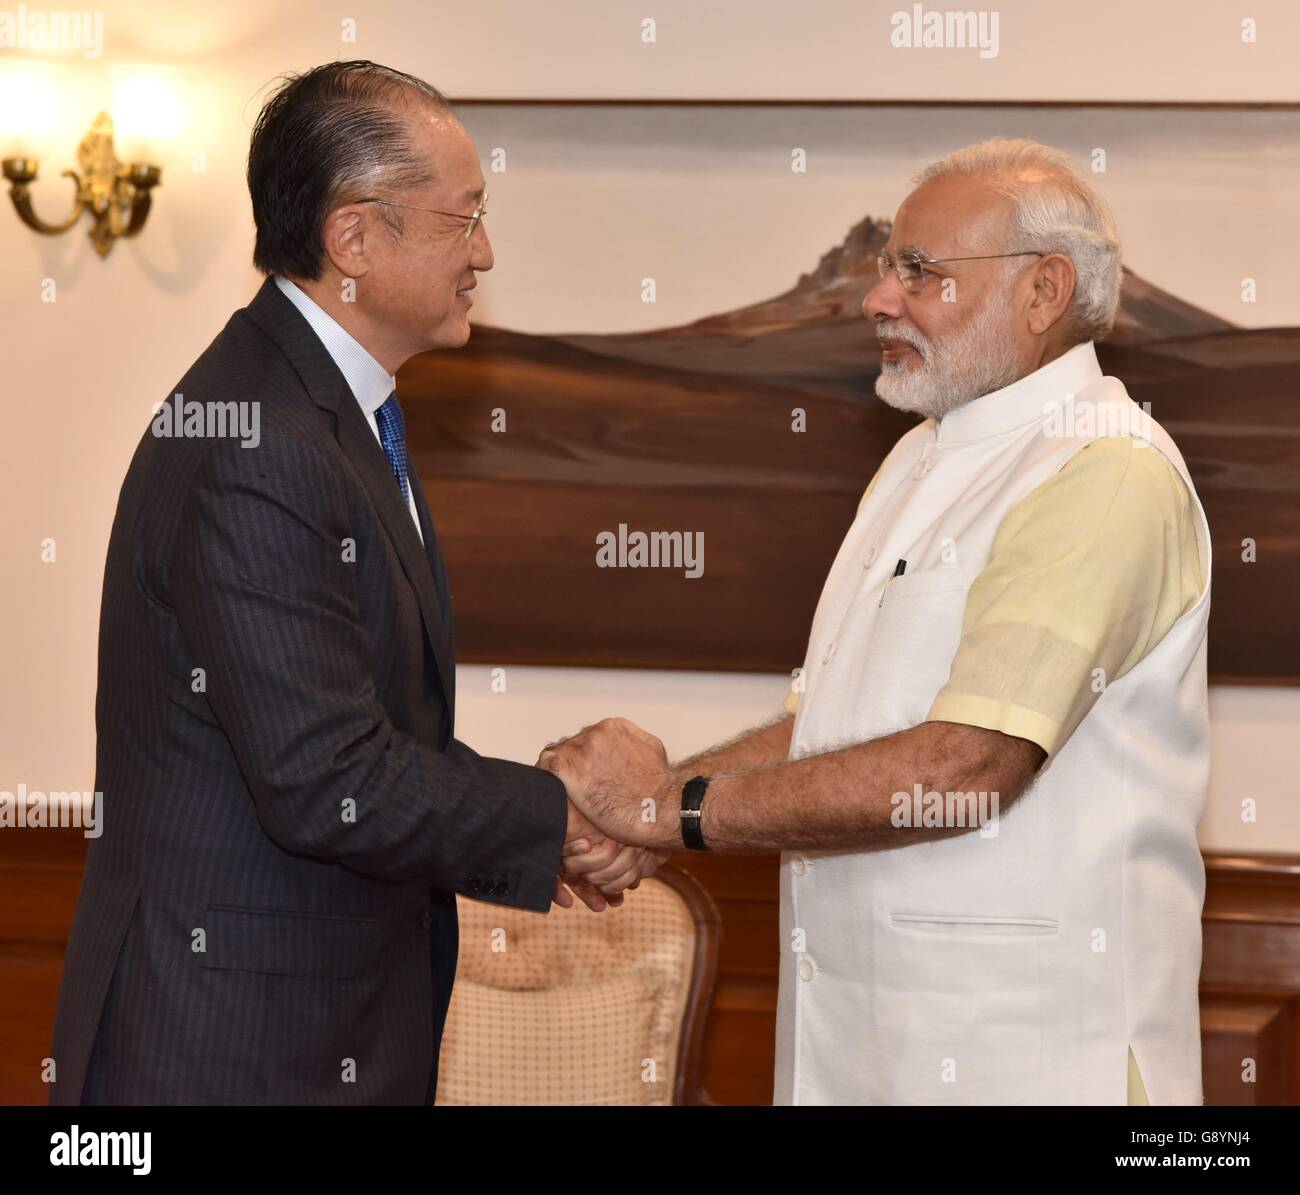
{"type": "Point", "coordinates": [885, 299]}
{"type": "Point", "coordinates": [481, 256]}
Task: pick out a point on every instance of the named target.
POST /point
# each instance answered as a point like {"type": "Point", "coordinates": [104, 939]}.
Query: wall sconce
{"type": "Point", "coordinates": [117, 196]}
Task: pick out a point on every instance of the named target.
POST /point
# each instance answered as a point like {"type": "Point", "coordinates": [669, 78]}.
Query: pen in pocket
{"type": "Point", "coordinates": [899, 569]}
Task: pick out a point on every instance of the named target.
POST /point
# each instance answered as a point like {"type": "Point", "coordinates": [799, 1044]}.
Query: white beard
{"type": "Point", "coordinates": [980, 357]}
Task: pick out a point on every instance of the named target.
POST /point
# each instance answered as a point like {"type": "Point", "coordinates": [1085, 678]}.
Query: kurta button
{"type": "Point", "coordinates": [830, 651]}
{"type": "Point", "coordinates": [799, 865]}
{"type": "Point", "coordinates": [426, 921]}
{"type": "Point", "coordinates": [871, 555]}
{"type": "Point", "coordinates": [806, 970]}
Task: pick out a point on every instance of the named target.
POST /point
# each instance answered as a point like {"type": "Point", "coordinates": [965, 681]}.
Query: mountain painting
{"type": "Point", "coordinates": [756, 430]}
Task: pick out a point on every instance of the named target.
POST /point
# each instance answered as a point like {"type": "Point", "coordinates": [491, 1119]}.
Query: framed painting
{"type": "Point", "coordinates": [657, 437]}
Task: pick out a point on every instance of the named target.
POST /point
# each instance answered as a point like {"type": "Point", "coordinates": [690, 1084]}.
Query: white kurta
{"type": "Point", "coordinates": [1014, 968]}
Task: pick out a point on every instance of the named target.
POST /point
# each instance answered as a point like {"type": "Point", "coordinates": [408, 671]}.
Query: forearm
{"type": "Point", "coordinates": [755, 748]}
{"type": "Point", "coordinates": [845, 799]}
{"type": "Point", "coordinates": [355, 792]}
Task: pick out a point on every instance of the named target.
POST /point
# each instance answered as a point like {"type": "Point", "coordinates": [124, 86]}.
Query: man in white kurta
{"type": "Point", "coordinates": [1054, 592]}
{"type": "Point", "coordinates": [986, 790]}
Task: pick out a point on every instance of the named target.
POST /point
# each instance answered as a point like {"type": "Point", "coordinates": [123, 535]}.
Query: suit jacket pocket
{"type": "Point", "coordinates": [273, 942]}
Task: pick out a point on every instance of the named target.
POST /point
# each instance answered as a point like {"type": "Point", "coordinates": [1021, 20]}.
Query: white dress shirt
{"type": "Point", "coordinates": [370, 382]}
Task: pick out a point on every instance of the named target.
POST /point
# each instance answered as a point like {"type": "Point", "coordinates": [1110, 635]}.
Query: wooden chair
{"type": "Point", "coordinates": [575, 1007]}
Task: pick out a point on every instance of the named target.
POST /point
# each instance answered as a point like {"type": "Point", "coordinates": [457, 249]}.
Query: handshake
{"type": "Point", "coordinates": [624, 807]}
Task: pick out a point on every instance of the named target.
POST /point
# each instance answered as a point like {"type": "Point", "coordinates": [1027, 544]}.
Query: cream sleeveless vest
{"type": "Point", "coordinates": [1016, 968]}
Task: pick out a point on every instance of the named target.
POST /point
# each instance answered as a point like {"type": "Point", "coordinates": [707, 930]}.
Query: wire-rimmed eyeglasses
{"type": "Point", "coordinates": [474, 218]}
{"type": "Point", "coordinates": [911, 271]}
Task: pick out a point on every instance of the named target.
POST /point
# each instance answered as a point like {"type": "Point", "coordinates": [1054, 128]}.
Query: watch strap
{"type": "Point", "coordinates": [692, 812]}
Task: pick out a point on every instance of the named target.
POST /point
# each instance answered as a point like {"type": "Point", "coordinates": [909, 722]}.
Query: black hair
{"type": "Point", "coordinates": [325, 138]}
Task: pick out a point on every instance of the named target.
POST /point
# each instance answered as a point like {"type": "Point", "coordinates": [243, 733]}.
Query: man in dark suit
{"type": "Point", "coordinates": [269, 915]}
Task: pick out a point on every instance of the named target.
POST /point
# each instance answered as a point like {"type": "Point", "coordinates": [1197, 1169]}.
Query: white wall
{"type": "Point", "coordinates": [818, 49]}
{"type": "Point", "coordinates": [82, 373]}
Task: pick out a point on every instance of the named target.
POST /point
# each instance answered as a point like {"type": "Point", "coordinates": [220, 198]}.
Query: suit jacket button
{"type": "Point", "coordinates": [426, 921]}
{"type": "Point", "coordinates": [502, 889]}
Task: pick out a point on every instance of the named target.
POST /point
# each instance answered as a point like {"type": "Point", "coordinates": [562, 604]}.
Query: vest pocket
{"type": "Point", "coordinates": [942, 923]}
{"type": "Point", "coordinates": [897, 652]}
{"type": "Point", "coordinates": [928, 581]}
{"type": "Point", "coordinates": [961, 1004]}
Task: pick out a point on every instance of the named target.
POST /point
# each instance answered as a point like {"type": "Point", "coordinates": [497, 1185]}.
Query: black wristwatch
{"type": "Point", "coordinates": [692, 800]}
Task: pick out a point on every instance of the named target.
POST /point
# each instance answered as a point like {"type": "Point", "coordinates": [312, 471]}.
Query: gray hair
{"type": "Point", "coordinates": [1054, 210]}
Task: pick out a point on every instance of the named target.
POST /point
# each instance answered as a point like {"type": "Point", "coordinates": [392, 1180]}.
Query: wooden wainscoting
{"type": "Point", "coordinates": [40, 877]}
{"type": "Point", "coordinates": [1250, 980]}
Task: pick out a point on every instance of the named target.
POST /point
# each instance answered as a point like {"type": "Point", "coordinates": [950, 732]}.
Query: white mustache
{"type": "Point", "coordinates": [906, 335]}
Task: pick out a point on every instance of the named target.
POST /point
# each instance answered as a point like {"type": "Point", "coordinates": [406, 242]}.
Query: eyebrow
{"type": "Point", "coordinates": [912, 251]}
{"type": "Point", "coordinates": [471, 193]}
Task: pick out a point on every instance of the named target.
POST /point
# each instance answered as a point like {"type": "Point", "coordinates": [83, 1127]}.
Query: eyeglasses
{"type": "Point", "coordinates": [474, 218]}
{"type": "Point", "coordinates": [911, 271]}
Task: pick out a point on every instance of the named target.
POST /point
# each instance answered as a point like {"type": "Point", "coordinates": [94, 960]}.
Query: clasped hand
{"type": "Point", "coordinates": [623, 816]}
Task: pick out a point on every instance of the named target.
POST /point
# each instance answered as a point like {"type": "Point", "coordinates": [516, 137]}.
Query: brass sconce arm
{"type": "Point", "coordinates": [117, 197]}
{"type": "Point", "coordinates": [20, 172]}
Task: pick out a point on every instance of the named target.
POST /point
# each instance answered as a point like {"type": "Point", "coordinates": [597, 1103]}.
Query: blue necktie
{"type": "Point", "coordinates": [392, 435]}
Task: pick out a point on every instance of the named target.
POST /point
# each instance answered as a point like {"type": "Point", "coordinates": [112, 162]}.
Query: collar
{"type": "Point", "coordinates": [370, 382]}
{"type": "Point", "coordinates": [1027, 400]}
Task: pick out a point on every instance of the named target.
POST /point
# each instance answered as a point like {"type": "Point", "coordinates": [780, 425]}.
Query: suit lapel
{"type": "Point", "coordinates": [434, 553]}
{"type": "Point", "coordinates": [284, 324]}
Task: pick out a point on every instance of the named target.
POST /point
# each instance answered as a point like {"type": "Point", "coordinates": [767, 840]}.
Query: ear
{"type": "Point", "coordinates": [345, 236]}
{"type": "Point", "coordinates": [1053, 289]}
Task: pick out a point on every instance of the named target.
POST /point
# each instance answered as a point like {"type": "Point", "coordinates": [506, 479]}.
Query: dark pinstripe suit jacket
{"type": "Point", "coordinates": [268, 915]}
